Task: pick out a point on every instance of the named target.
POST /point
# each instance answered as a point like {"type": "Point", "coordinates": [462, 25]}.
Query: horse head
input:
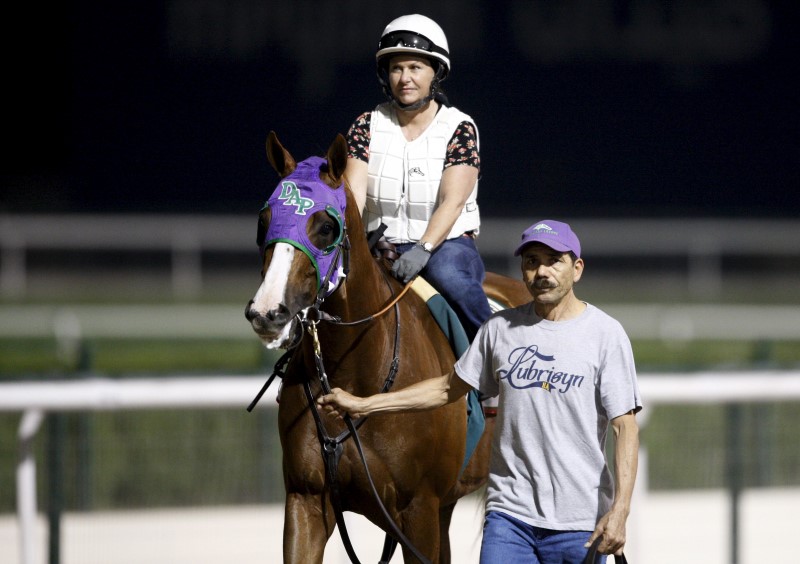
{"type": "Point", "coordinates": [302, 239]}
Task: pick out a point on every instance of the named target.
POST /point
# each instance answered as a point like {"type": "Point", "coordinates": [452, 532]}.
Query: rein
{"type": "Point", "coordinates": [345, 246]}
{"type": "Point", "coordinates": [332, 446]}
{"type": "Point", "coordinates": [393, 302]}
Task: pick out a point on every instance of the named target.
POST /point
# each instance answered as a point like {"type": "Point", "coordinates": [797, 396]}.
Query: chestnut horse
{"type": "Point", "coordinates": [414, 460]}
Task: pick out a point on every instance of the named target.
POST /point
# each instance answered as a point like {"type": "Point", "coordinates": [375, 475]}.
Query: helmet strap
{"type": "Point", "coordinates": [418, 104]}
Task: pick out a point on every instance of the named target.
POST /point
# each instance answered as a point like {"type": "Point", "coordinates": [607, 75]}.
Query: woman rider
{"type": "Point", "coordinates": [414, 166]}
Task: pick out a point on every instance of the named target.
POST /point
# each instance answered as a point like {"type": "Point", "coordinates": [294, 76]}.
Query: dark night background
{"type": "Point", "coordinates": [607, 108]}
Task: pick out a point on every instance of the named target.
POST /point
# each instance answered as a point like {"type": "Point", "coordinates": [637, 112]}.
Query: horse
{"type": "Point", "coordinates": [403, 471]}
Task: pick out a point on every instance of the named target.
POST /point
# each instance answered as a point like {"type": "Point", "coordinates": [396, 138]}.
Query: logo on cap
{"type": "Point", "coordinates": [545, 227]}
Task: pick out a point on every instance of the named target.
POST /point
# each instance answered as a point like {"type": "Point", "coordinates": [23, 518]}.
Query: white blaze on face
{"type": "Point", "coordinates": [273, 288]}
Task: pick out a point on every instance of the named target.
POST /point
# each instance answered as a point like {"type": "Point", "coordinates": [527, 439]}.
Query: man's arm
{"type": "Point", "coordinates": [626, 458]}
{"type": "Point", "coordinates": [427, 394]}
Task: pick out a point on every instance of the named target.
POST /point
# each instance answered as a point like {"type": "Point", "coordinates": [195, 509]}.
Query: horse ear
{"type": "Point", "coordinates": [337, 159]}
{"type": "Point", "coordinates": [280, 159]}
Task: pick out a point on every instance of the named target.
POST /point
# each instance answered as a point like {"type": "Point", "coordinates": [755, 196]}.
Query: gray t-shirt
{"type": "Point", "coordinates": [559, 385]}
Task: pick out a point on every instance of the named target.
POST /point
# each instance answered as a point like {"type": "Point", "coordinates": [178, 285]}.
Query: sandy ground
{"type": "Point", "coordinates": [685, 527]}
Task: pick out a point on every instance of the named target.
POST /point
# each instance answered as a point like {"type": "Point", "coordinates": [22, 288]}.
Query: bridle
{"type": "Point", "coordinates": [332, 447]}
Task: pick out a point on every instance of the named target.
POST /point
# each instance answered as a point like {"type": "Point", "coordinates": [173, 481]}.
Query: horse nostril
{"type": "Point", "coordinates": [250, 312]}
{"type": "Point", "coordinates": [279, 314]}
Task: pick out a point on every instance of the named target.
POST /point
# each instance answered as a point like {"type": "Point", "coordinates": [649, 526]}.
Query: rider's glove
{"type": "Point", "coordinates": [410, 263]}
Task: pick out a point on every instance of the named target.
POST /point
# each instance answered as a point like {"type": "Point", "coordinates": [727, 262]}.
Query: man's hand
{"type": "Point", "coordinates": [611, 527]}
{"type": "Point", "coordinates": [410, 263]}
{"type": "Point", "coordinates": [341, 403]}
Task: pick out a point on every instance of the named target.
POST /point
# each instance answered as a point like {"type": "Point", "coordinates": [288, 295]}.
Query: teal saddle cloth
{"type": "Point", "coordinates": [452, 328]}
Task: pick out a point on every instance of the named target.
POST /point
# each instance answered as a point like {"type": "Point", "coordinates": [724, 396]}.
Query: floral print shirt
{"type": "Point", "coordinates": [462, 148]}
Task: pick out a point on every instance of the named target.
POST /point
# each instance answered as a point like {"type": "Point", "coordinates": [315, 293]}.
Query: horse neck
{"type": "Point", "coordinates": [365, 290]}
{"type": "Point", "coordinates": [358, 357]}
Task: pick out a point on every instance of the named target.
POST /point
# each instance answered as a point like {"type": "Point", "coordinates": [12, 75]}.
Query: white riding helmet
{"type": "Point", "coordinates": [418, 35]}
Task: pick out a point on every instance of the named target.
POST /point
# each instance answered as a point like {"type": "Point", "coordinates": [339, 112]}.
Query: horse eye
{"type": "Point", "coordinates": [323, 231]}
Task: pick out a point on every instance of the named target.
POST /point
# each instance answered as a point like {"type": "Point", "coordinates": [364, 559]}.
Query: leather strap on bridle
{"type": "Point", "coordinates": [278, 370]}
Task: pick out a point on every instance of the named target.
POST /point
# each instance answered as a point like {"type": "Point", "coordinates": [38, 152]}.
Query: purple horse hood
{"type": "Point", "coordinates": [297, 197]}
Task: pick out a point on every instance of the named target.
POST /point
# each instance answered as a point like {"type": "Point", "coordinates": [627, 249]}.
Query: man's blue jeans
{"type": "Point", "coordinates": [456, 270]}
{"type": "Point", "coordinates": [507, 540]}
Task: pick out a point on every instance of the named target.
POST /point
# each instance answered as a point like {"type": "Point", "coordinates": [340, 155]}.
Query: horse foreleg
{"type": "Point", "coordinates": [307, 525]}
{"type": "Point", "coordinates": [420, 524]}
{"type": "Point", "coordinates": [445, 515]}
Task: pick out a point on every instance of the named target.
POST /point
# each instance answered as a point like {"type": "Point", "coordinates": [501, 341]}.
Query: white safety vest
{"type": "Point", "coordinates": [404, 176]}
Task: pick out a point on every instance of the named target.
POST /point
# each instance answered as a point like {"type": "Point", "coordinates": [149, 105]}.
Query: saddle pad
{"type": "Point", "coordinates": [451, 326]}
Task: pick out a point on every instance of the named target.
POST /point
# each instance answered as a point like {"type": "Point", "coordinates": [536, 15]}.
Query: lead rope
{"type": "Point", "coordinates": [332, 450]}
{"type": "Point", "coordinates": [592, 556]}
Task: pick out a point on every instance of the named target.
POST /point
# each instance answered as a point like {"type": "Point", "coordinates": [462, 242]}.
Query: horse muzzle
{"type": "Point", "coordinates": [275, 327]}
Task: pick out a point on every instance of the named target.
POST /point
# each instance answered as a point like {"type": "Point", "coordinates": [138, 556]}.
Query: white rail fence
{"type": "Point", "coordinates": [676, 322]}
{"type": "Point", "coordinates": [35, 399]}
{"type": "Point", "coordinates": [703, 243]}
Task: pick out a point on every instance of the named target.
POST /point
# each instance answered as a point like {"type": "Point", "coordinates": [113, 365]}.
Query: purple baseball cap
{"type": "Point", "coordinates": [555, 234]}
